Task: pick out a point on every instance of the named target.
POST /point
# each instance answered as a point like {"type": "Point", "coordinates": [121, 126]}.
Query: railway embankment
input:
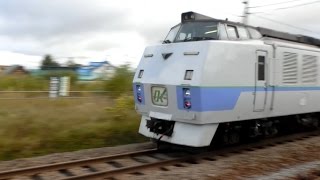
{"type": "Point", "coordinates": [288, 157]}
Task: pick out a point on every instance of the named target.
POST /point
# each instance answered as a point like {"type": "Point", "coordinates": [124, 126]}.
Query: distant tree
{"type": "Point", "coordinates": [48, 62]}
{"type": "Point", "coordinates": [72, 64]}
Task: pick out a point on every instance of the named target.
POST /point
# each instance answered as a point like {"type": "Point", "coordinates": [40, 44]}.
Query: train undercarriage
{"type": "Point", "coordinates": [231, 133]}
{"type": "Point", "coordinates": [237, 132]}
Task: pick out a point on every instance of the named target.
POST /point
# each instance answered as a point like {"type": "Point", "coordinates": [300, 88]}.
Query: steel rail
{"type": "Point", "coordinates": [123, 170]}
{"type": "Point", "coordinates": [68, 164]}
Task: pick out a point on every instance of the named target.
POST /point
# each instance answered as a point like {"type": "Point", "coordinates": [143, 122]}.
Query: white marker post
{"type": "Point", "coordinates": [54, 87]}
{"type": "Point", "coordinates": [64, 86]}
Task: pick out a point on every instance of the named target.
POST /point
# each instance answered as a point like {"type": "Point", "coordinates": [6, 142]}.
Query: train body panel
{"type": "Point", "coordinates": [184, 90]}
{"type": "Point", "coordinates": [171, 71]}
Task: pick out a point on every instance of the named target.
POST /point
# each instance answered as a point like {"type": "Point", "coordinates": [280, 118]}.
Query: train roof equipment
{"type": "Point", "coordinates": [265, 32]}
{"type": "Point", "coordinates": [287, 36]}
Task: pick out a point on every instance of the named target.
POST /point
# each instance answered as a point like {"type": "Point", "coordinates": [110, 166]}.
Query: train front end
{"type": "Point", "coordinates": [166, 86]}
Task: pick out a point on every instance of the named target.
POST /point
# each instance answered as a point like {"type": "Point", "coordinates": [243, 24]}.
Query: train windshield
{"type": "Point", "coordinates": [193, 31]}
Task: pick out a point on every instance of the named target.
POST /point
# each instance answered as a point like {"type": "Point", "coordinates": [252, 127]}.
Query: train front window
{"type": "Point", "coordinates": [197, 31]}
{"type": "Point", "coordinates": [193, 31]}
{"type": "Point", "coordinates": [172, 34]}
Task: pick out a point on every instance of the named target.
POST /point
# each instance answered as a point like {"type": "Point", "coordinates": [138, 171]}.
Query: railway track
{"type": "Point", "coordinates": [136, 162]}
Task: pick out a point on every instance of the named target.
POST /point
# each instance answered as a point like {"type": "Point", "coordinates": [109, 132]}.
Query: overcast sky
{"type": "Point", "coordinates": [119, 30]}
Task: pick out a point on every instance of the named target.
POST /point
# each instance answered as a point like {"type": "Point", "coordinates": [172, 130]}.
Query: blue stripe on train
{"type": "Point", "coordinates": [223, 98]}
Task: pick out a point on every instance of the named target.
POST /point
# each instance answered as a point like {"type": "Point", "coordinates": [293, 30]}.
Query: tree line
{"type": "Point", "coordinates": [49, 62]}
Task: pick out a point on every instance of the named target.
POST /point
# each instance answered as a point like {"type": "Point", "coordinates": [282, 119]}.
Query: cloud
{"type": "Point", "coordinates": [43, 19]}
{"type": "Point", "coordinates": [62, 27]}
{"type": "Point", "coordinates": [10, 58]}
{"type": "Point", "coordinates": [119, 30]}
{"type": "Point", "coordinates": [299, 20]}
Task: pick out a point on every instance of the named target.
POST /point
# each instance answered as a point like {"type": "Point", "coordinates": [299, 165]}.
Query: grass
{"type": "Point", "coordinates": [31, 127]}
{"type": "Point", "coordinates": [41, 126]}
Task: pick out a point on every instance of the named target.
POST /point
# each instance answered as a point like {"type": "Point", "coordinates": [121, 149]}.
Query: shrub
{"type": "Point", "coordinates": [121, 82]}
{"type": "Point", "coordinates": [123, 108]}
{"type": "Point", "coordinates": [23, 83]}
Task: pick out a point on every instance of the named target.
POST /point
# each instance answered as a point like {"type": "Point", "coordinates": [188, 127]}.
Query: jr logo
{"type": "Point", "coordinates": [159, 96]}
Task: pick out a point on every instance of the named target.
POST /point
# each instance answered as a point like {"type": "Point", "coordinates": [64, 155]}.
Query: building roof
{"type": "Point", "coordinates": [98, 64]}
{"type": "Point", "coordinates": [12, 69]}
{"type": "Point", "coordinates": [60, 68]}
{"type": "Point", "coordinates": [92, 66]}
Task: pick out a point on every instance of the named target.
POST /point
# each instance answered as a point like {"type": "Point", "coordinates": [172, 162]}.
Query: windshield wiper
{"type": "Point", "coordinates": [208, 38]}
{"type": "Point", "coordinates": [199, 39]}
{"type": "Point", "coordinates": [166, 41]}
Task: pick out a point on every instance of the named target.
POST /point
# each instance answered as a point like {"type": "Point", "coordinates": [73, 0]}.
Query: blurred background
{"type": "Point", "coordinates": [64, 108]}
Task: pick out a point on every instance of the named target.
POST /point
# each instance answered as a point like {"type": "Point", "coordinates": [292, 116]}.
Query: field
{"type": "Point", "coordinates": [32, 125]}
{"type": "Point", "coordinates": [41, 126]}
{"type": "Point", "coordinates": [37, 126]}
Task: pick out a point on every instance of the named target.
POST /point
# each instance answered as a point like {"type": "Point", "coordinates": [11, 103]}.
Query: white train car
{"type": "Point", "coordinates": [211, 73]}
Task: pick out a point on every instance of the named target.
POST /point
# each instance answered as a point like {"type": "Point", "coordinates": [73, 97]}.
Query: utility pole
{"type": "Point", "coordinates": [245, 12]}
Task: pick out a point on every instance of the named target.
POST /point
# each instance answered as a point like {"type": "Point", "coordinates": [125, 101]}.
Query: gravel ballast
{"type": "Point", "coordinates": [292, 160]}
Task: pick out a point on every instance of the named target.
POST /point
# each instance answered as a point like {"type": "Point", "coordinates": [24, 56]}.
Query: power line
{"type": "Point", "coordinates": [285, 24]}
{"type": "Point", "coordinates": [273, 4]}
{"type": "Point", "coordinates": [298, 5]}
{"type": "Point", "coordinates": [288, 7]}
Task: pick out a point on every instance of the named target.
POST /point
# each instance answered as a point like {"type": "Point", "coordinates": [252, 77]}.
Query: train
{"type": "Point", "coordinates": [214, 77]}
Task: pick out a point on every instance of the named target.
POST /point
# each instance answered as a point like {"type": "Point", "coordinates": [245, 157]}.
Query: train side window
{"type": "Point", "coordinates": [254, 34]}
{"type": "Point", "coordinates": [243, 33]}
{"type": "Point", "coordinates": [261, 68]}
{"type": "Point", "coordinates": [232, 32]}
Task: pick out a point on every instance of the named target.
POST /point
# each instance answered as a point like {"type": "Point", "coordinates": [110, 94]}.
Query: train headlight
{"type": "Point", "coordinates": [139, 93]}
{"type": "Point", "coordinates": [139, 89]}
{"type": "Point", "coordinates": [187, 104]}
{"type": "Point", "coordinates": [139, 98]}
{"type": "Point", "coordinates": [187, 93]}
{"type": "Point", "coordinates": [187, 98]}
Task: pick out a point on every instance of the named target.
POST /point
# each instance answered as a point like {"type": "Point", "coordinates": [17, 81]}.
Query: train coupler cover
{"type": "Point", "coordinates": [159, 126]}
